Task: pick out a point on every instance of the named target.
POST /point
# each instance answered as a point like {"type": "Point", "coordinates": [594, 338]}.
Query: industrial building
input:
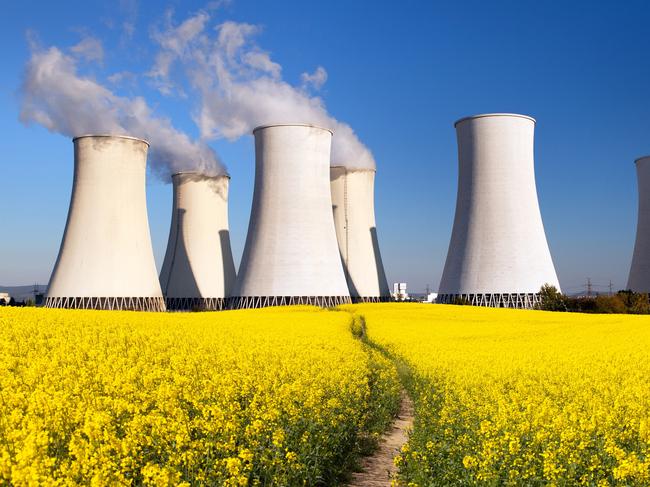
{"type": "Point", "coordinates": [498, 254]}
{"type": "Point", "coordinates": [291, 254]}
{"type": "Point", "coordinates": [639, 278]}
{"type": "Point", "coordinates": [353, 205]}
{"type": "Point", "coordinates": [106, 260]}
{"type": "Point", "coordinates": [198, 272]}
{"type": "Point", "coordinates": [399, 292]}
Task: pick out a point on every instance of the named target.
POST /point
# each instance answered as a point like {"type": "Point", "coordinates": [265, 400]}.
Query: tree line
{"type": "Point", "coordinates": [623, 302]}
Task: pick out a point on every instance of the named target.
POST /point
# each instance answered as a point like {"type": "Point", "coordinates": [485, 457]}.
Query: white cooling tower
{"type": "Point", "coordinates": [198, 271]}
{"type": "Point", "coordinates": [639, 279]}
{"type": "Point", "coordinates": [353, 205]}
{"type": "Point", "coordinates": [291, 255]}
{"type": "Point", "coordinates": [498, 255]}
{"type": "Point", "coordinates": [106, 260]}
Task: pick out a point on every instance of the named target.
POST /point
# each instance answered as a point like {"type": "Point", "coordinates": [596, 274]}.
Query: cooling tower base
{"type": "Point", "coordinates": [499, 300]}
{"type": "Point", "coordinates": [112, 303]}
{"type": "Point", "coordinates": [371, 299]}
{"type": "Point", "coordinates": [196, 304]}
{"type": "Point", "coordinates": [243, 302]}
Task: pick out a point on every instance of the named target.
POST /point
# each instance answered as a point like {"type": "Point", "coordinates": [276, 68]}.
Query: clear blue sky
{"type": "Point", "coordinates": [400, 73]}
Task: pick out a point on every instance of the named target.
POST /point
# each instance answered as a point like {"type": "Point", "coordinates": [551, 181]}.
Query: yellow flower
{"type": "Point", "coordinates": [517, 396]}
{"type": "Point", "coordinates": [117, 398]}
{"type": "Point", "coordinates": [469, 461]}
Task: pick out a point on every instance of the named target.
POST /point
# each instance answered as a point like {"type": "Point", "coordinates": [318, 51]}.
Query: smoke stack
{"type": "Point", "coordinates": [639, 279]}
{"type": "Point", "coordinates": [198, 271]}
{"type": "Point", "coordinates": [291, 255]}
{"type": "Point", "coordinates": [106, 260]}
{"type": "Point", "coordinates": [353, 194]}
{"type": "Point", "coordinates": [498, 255]}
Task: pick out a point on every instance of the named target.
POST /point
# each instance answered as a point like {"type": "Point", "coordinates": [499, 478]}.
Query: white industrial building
{"type": "Point", "coordinates": [400, 292]}
{"type": "Point", "coordinates": [198, 272]}
{"type": "Point", "coordinates": [291, 254]}
{"type": "Point", "coordinates": [106, 259]}
{"type": "Point", "coordinates": [353, 205]}
{"type": "Point", "coordinates": [639, 278]}
{"type": "Point", "coordinates": [498, 254]}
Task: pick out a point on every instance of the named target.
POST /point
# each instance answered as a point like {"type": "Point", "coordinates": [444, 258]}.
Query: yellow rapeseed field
{"type": "Point", "coordinates": [289, 396]}
{"type": "Point", "coordinates": [520, 397]}
{"type": "Point", "coordinates": [274, 396]}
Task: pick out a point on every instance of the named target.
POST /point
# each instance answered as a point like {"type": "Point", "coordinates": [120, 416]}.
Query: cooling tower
{"type": "Point", "coordinates": [498, 255]}
{"type": "Point", "coordinates": [353, 205]}
{"type": "Point", "coordinates": [106, 260]}
{"type": "Point", "coordinates": [291, 255]}
{"type": "Point", "coordinates": [639, 279]}
{"type": "Point", "coordinates": [198, 271]}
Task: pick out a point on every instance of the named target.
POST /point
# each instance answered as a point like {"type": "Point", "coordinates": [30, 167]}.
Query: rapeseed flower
{"type": "Point", "coordinates": [275, 396]}
{"type": "Point", "coordinates": [514, 397]}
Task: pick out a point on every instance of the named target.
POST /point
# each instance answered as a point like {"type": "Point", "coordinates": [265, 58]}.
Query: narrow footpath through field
{"type": "Point", "coordinates": [378, 469]}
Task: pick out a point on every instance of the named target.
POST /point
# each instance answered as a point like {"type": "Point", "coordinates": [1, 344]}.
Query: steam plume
{"type": "Point", "coordinates": [241, 87]}
{"type": "Point", "coordinates": [56, 96]}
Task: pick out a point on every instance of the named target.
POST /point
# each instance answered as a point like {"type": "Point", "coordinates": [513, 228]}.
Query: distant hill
{"type": "Point", "coordinates": [22, 293]}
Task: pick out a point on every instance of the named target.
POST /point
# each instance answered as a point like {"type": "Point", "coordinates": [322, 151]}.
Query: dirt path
{"type": "Point", "coordinates": [378, 469]}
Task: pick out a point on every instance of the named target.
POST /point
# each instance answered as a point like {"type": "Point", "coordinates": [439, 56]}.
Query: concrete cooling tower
{"type": "Point", "coordinates": [198, 271]}
{"type": "Point", "coordinates": [639, 279]}
{"type": "Point", "coordinates": [498, 255]}
{"type": "Point", "coordinates": [106, 260]}
{"type": "Point", "coordinates": [291, 255]}
{"type": "Point", "coordinates": [353, 205]}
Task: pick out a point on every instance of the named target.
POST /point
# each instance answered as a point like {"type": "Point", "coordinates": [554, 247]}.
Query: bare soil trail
{"type": "Point", "coordinates": [378, 469]}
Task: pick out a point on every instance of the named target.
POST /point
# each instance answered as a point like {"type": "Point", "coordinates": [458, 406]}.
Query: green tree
{"type": "Point", "coordinates": [610, 304]}
{"type": "Point", "coordinates": [550, 299]}
{"type": "Point", "coordinates": [636, 303]}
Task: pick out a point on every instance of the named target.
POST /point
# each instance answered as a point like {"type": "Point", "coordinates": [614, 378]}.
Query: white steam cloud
{"type": "Point", "coordinates": [316, 79]}
{"type": "Point", "coordinates": [90, 49]}
{"type": "Point", "coordinates": [240, 86]}
{"type": "Point", "coordinates": [56, 96]}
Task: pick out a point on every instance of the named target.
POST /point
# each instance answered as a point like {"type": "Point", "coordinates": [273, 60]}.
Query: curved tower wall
{"type": "Point", "coordinates": [353, 205]}
{"type": "Point", "coordinates": [291, 254]}
{"type": "Point", "coordinates": [639, 279]}
{"type": "Point", "coordinates": [198, 271]}
{"type": "Point", "coordinates": [498, 254]}
{"type": "Point", "coordinates": [106, 259]}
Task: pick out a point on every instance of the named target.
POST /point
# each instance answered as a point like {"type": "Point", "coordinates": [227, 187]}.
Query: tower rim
{"type": "Point", "coordinates": [499, 114]}
{"type": "Point", "coordinates": [116, 136]}
{"type": "Point", "coordinates": [270, 125]}
{"type": "Point", "coordinates": [356, 169]}
{"type": "Point", "coordinates": [199, 173]}
{"type": "Point", "coordinates": [642, 158]}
